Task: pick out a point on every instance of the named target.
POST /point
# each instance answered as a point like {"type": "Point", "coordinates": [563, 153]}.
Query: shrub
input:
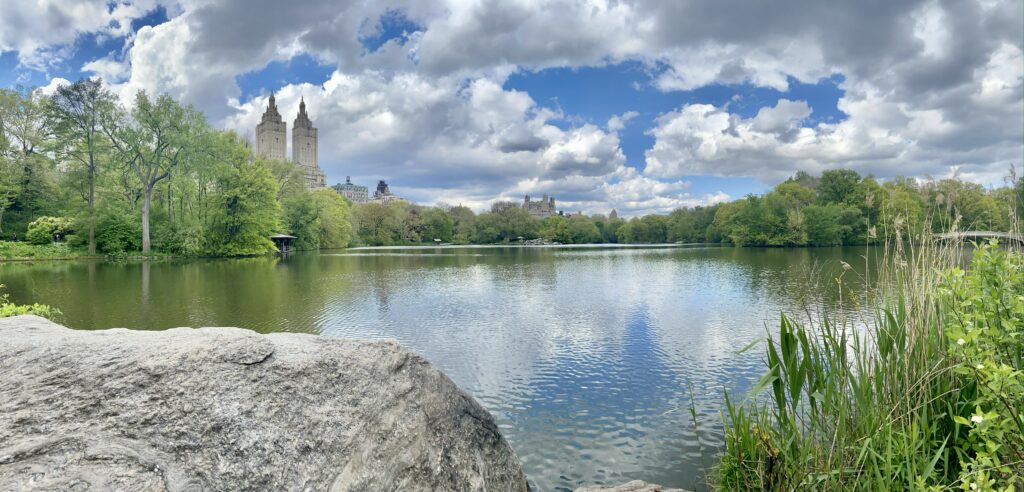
{"type": "Point", "coordinates": [117, 232]}
{"type": "Point", "coordinates": [8, 308]}
{"type": "Point", "coordinates": [45, 230]}
{"type": "Point", "coordinates": [177, 239]}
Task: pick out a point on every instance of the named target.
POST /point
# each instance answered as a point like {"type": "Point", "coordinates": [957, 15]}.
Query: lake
{"type": "Point", "coordinates": [587, 356]}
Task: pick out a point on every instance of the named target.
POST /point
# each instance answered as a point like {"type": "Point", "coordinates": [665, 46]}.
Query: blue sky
{"type": "Point", "coordinates": [638, 106]}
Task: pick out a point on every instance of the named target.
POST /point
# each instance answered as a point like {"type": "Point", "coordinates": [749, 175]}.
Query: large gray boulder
{"type": "Point", "coordinates": [230, 409]}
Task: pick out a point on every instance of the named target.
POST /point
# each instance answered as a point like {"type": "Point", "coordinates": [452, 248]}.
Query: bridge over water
{"type": "Point", "coordinates": [980, 236]}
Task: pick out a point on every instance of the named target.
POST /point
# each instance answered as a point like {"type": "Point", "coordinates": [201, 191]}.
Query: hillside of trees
{"type": "Point", "coordinates": [80, 169]}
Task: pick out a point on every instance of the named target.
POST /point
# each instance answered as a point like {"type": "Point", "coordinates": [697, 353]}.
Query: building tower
{"type": "Point", "coordinates": [304, 148]}
{"type": "Point", "coordinates": [271, 134]}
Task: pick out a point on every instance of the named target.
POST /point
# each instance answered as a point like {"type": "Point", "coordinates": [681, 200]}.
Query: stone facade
{"type": "Point", "coordinates": [304, 140]}
{"type": "Point", "coordinates": [271, 143]}
{"type": "Point", "coordinates": [541, 209]}
{"type": "Point", "coordinates": [355, 193]}
{"type": "Point", "coordinates": [271, 134]}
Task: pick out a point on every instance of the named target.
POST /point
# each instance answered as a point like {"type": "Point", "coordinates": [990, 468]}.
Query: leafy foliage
{"type": "Point", "coordinates": [928, 399]}
{"type": "Point", "coordinates": [47, 229]}
{"type": "Point", "coordinates": [248, 213]}
{"type": "Point", "coordinates": [8, 309]}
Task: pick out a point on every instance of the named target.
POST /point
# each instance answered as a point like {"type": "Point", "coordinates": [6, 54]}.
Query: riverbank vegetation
{"type": "Point", "coordinates": [927, 396]}
{"type": "Point", "coordinates": [840, 207]}
{"type": "Point", "coordinates": [81, 169]}
{"type": "Point", "coordinates": [82, 175]}
{"type": "Point", "coordinates": [8, 308]}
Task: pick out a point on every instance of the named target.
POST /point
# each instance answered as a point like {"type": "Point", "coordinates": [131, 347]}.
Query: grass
{"type": "Point", "coordinates": [17, 250]}
{"type": "Point", "coordinates": [927, 395]}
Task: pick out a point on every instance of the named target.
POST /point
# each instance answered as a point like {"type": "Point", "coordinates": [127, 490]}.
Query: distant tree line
{"type": "Point", "coordinates": [840, 207]}
{"type": "Point", "coordinates": [79, 167]}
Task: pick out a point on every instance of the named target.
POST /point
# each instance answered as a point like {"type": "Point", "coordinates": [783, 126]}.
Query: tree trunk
{"type": "Point", "coordinates": [92, 215]}
{"type": "Point", "coordinates": [147, 198]}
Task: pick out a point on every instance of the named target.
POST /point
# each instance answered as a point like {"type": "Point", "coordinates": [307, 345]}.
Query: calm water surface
{"type": "Point", "coordinates": [586, 356]}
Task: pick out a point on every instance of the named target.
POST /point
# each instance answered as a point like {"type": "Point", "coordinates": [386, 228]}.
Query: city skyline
{"type": "Point", "coordinates": [635, 105]}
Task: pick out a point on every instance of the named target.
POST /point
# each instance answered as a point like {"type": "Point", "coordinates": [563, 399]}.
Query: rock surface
{"type": "Point", "coordinates": [229, 409]}
{"type": "Point", "coordinates": [634, 486]}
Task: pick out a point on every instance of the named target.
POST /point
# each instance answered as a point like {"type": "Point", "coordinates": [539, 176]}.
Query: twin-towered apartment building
{"type": "Point", "coordinates": [271, 144]}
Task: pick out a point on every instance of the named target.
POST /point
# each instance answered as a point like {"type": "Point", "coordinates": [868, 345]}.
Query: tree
{"type": "Point", "coordinates": [582, 230]}
{"type": "Point", "coordinates": [300, 220]}
{"type": "Point", "coordinates": [75, 114]}
{"type": "Point", "coordinates": [334, 217]}
{"type": "Point", "coordinates": [506, 221]}
{"type": "Point", "coordinates": [556, 229]}
{"type": "Point", "coordinates": [157, 137]}
{"type": "Point", "coordinates": [834, 185]}
{"type": "Point", "coordinates": [378, 224]}
{"type": "Point", "coordinates": [25, 134]}
{"type": "Point", "coordinates": [439, 225]}
{"type": "Point", "coordinates": [1019, 197]}
{"type": "Point", "coordinates": [247, 214]}
{"type": "Point", "coordinates": [647, 229]}
{"type": "Point", "coordinates": [9, 181]}
{"type": "Point", "coordinates": [517, 221]}
{"type": "Point", "coordinates": [822, 225]}
{"type": "Point", "coordinates": [463, 219]}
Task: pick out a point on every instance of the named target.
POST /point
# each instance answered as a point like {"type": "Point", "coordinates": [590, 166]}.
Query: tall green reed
{"type": "Point", "coordinates": [926, 394]}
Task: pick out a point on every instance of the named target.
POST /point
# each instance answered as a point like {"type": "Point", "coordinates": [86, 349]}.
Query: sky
{"type": "Point", "coordinates": [639, 105]}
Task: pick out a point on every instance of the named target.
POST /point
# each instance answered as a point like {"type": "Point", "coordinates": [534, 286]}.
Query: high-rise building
{"type": "Point", "coordinates": [271, 142]}
{"type": "Point", "coordinates": [271, 134]}
{"type": "Point", "coordinates": [355, 193]}
{"type": "Point", "coordinates": [304, 148]}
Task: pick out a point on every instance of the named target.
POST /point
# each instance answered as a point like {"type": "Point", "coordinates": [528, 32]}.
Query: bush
{"type": "Point", "coordinates": [177, 239]}
{"type": "Point", "coordinates": [45, 230]}
{"type": "Point", "coordinates": [8, 309]}
{"type": "Point", "coordinates": [117, 232]}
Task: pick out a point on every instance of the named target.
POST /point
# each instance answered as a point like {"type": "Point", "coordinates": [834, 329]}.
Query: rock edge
{"type": "Point", "coordinates": [225, 408]}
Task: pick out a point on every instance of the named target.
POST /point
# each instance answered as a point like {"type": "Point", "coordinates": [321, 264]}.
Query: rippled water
{"type": "Point", "coordinates": [586, 356]}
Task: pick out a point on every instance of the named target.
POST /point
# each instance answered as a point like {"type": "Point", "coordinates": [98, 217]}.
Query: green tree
{"type": "Point", "coordinates": [378, 224]}
{"type": "Point", "coordinates": [26, 136]}
{"type": "Point", "coordinates": [76, 111]}
{"type": "Point", "coordinates": [300, 220]}
{"type": "Point", "coordinates": [439, 225]}
{"type": "Point", "coordinates": [247, 214]}
{"type": "Point", "coordinates": [506, 221]}
{"type": "Point", "coordinates": [582, 230]}
{"type": "Point", "coordinates": [155, 139]}
{"type": "Point", "coordinates": [556, 229]}
{"type": "Point", "coordinates": [834, 185]}
{"type": "Point", "coordinates": [463, 219]}
{"type": "Point", "coordinates": [649, 229]}
{"type": "Point", "coordinates": [335, 218]}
